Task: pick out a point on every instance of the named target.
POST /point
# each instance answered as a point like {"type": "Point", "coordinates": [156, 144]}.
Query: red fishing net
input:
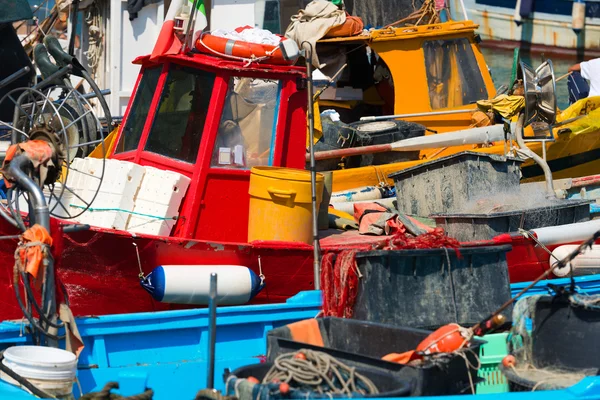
{"type": "Point", "coordinates": [339, 273]}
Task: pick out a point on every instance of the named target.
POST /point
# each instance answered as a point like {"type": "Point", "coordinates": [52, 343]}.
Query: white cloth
{"type": "Point", "coordinates": [251, 35]}
{"type": "Point", "coordinates": [590, 70]}
{"type": "Point", "coordinates": [312, 23]}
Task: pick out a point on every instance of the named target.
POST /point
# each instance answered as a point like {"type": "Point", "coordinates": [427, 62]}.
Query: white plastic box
{"type": "Point", "coordinates": [157, 202]}
{"type": "Point", "coordinates": [112, 206]}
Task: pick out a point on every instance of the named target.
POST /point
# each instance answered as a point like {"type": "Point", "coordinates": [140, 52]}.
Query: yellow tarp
{"type": "Point", "coordinates": [588, 123]}
{"type": "Point", "coordinates": [506, 106]}
{"type": "Point", "coordinates": [108, 145]}
{"type": "Point", "coordinates": [318, 128]}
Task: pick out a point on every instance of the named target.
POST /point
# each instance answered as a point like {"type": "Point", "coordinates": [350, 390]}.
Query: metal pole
{"type": "Point", "coordinates": [42, 217]}
{"type": "Point", "coordinates": [92, 95]}
{"type": "Point", "coordinates": [425, 114]}
{"type": "Point", "coordinates": [212, 330]}
{"type": "Point", "coordinates": [462, 4]}
{"type": "Point", "coordinates": [313, 169]}
{"type": "Point", "coordinates": [36, 196]}
{"type": "Point", "coordinates": [190, 25]}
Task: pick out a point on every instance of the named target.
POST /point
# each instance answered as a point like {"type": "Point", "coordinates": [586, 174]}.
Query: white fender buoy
{"type": "Point", "coordinates": [359, 194]}
{"type": "Point", "coordinates": [569, 233]}
{"type": "Point", "coordinates": [189, 284]}
{"type": "Point", "coordinates": [517, 14]}
{"type": "Point", "coordinates": [590, 260]}
{"type": "Point", "coordinates": [578, 15]}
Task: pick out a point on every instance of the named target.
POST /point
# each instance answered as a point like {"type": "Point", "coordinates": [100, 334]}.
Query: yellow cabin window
{"type": "Point", "coordinates": [453, 75]}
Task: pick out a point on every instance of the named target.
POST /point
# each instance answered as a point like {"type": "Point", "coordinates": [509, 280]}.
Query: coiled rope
{"type": "Point", "coordinates": [319, 372]}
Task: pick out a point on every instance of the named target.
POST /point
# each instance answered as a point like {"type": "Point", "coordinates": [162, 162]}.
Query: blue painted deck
{"type": "Point", "coordinates": [166, 351]}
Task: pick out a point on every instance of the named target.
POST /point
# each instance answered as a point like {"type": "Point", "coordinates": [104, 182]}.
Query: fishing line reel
{"type": "Point", "coordinates": [539, 90]}
{"type": "Point", "coordinates": [54, 113]}
{"type": "Point", "coordinates": [53, 124]}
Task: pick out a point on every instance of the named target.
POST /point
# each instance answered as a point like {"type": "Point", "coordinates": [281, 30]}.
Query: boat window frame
{"type": "Point", "coordinates": [145, 157]}
{"type": "Point", "coordinates": [229, 77]}
{"type": "Point", "coordinates": [144, 141]}
{"type": "Point", "coordinates": [469, 47]}
{"type": "Point", "coordinates": [131, 155]}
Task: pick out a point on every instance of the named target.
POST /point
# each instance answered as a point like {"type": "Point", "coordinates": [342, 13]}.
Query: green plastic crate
{"type": "Point", "coordinates": [491, 355]}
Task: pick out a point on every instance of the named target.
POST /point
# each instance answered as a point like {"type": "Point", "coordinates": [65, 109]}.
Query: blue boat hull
{"type": "Point", "coordinates": [167, 351]}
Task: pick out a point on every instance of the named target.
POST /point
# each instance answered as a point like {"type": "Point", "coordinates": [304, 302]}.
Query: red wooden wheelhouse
{"type": "Point", "coordinates": [190, 114]}
{"type": "Point", "coordinates": [269, 123]}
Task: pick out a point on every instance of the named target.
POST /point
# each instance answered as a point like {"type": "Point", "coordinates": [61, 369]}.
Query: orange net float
{"type": "Point", "coordinates": [240, 50]}
{"type": "Point", "coordinates": [447, 339]}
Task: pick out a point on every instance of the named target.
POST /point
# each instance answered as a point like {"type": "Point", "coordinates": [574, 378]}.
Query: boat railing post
{"type": "Point", "coordinates": [190, 26]}
{"type": "Point", "coordinates": [212, 331]}
{"type": "Point", "coordinates": [308, 51]}
{"type": "Point", "coordinates": [462, 4]}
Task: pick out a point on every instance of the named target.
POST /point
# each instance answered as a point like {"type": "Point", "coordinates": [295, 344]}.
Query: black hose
{"type": "Point", "coordinates": [22, 381]}
{"type": "Point", "coordinates": [37, 307]}
{"type": "Point", "coordinates": [28, 315]}
{"type": "Point", "coordinates": [18, 219]}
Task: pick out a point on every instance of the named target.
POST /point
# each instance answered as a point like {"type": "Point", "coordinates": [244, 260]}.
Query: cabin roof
{"type": "Point", "coordinates": [409, 32]}
{"type": "Point", "coordinates": [222, 63]}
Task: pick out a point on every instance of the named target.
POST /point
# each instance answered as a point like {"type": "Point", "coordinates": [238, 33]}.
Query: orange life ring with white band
{"type": "Point", "coordinates": [240, 50]}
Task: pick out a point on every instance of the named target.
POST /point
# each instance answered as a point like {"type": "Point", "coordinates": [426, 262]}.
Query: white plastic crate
{"type": "Point", "coordinates": [157, 202]}
{"type": "Point", "coordinates": [114, 202]}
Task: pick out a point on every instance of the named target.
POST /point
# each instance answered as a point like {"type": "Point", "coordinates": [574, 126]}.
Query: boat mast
{"type": "Point", "coordinates": [313, 170]}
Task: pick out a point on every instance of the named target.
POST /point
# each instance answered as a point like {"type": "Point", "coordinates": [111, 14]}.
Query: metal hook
{"type": "Point", "coordinates": [137, 252]}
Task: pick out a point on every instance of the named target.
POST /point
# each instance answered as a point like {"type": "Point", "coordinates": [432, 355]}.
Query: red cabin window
{"type": "Point", "coordinates": [248, 124]}
{"type": "Point", "coordinates": [177, 128]}
{"type": "Point", "coordinates": [134, 126]}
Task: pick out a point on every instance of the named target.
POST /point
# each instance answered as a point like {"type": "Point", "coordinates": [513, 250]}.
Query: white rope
{"type": "Point", "coordinates": [93, 19]}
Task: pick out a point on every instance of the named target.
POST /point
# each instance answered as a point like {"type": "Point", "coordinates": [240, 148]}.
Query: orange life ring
{"type": "Point", "coordinates": [237, 49]}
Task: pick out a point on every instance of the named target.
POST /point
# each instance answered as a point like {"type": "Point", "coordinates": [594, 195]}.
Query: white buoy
{"type": "Point", "coordinates": [49, 369]}
{"type": "Point", "coordinates": [190, 284]}
{"type": "Point", "coordinates": [569, 233]}
{"type": "Point", "coordinates": [590, 260]}
{"type": "Point", "coordinates": [578, 15]}
{"type": "Point", "coordinates": [358, 194]}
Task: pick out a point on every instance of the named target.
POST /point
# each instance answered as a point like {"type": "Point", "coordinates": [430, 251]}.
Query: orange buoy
{"type": "Point", "coordinates": [238, 49]}
{"type": "Point", "coordinates": [300, 356]}
{"type": "Point", "coordinates": [447, 339]}
{"type": "Point", "coordinates": [252, 379]}
{"type": "Point", "coordinates": [284, 388]}
{"type": "Point", "coordinates": [509, 361]}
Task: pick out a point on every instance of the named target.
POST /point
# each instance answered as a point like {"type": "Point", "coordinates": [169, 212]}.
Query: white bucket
{"type": "Point", "coordinates": [49, 369]}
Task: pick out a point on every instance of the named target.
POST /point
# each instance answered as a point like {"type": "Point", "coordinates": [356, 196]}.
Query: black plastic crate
{"type": "Point", "coordinates": [448, 183]}
{"type": "Point", "coordinates": [363, 344]}
{"type": "Point", "coordinates": [565, 336]}
{"type": "Point", "coordinates": [428, 288]}
{"type": "Point", "coordinates": [469, 227]}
